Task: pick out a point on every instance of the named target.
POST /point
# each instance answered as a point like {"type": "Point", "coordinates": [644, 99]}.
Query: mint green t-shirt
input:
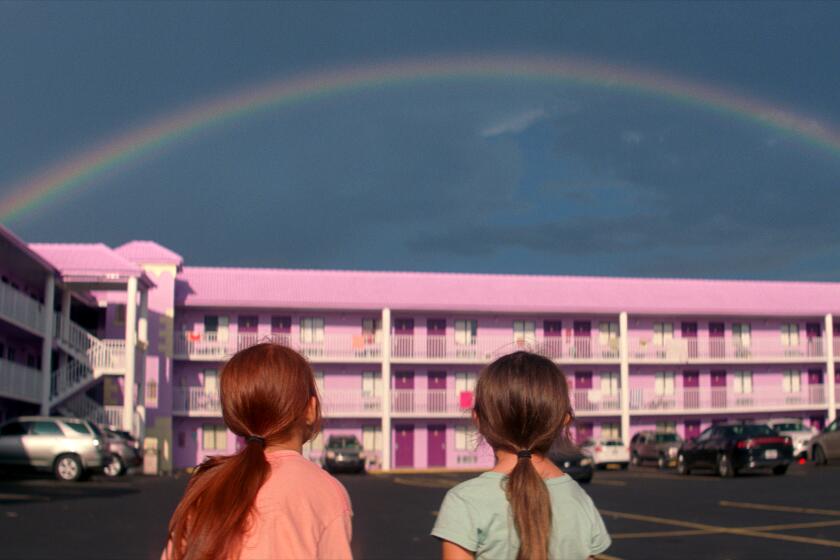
{"type": "Point", "coordinates": [476, 516]}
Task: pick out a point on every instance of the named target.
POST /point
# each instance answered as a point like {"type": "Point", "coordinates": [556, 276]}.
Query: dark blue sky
{"type": "Point", "coordinates": [486, 175]}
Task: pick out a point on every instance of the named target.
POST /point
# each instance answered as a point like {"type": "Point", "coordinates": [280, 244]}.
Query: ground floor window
{"type": "Point", "coordinates": [214, 437]}
{"type": "Point", "coordinates": [465, 437]}
{"type": "Point", "coordinates": [372, 438]}
{"type": "Point", "coordinates": [666, 427]}
{"type": "Point", "coordinates": [791, 381]}
{"type": "Point", "coordinates": [743, 382]}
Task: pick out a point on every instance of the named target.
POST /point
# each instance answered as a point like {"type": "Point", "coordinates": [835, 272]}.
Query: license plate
{"type": "Point", "coordinates": [771, 454]}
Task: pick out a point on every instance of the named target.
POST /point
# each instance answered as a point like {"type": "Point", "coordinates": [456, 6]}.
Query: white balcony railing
{"type": "Point", "coordinates": [98, 354]}
{"type": "Point", "coordinates": [348, 401]}
{"type": "Point", "coordinates": [211, 346]}
{"type": "Point", "coordinates": [487, 347]}
{"type": "Point", "coordinates": [19, 382]}
{"type": "Point", "coordinates": [196, 401]}
{"type": "Point", "coordinates": [721, 349]}
{"type": "Point", "coordinates": [726, 399]}
{"type": "Point", "coordinates": [587, 400]}
{"type": "Point", "coordinates": [20, 308]}
{"type": "Point", "coordinates": [426, 401]}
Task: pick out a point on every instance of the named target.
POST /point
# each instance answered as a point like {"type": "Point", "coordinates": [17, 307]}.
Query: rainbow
{"type": "Point", "coordinates": [79, 170]}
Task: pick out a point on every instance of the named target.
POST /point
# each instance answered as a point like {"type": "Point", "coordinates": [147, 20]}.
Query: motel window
{"type": "Point", "coordinates": [742, 382]}
{"type": "Point", "coordinates": [211, 323]}
{"type": "Point", "coordinates": [609, 383]}
{"type": "Point", "coordinates": [465, 438]}
{"type": "Point", "coordinates": [372, 438]}
{"type": "Point", "coordinates": [151, 392]}
{"type": "Point", "coordinates": [248, 323]}
{"type": "Point", "coordinates": [610, 430]}
{"type": "Point", "coordinates": [372, 330]}
{"type": "Point", "coordinates": [664, 383]}
{"type": "Point", "coordinates": [211, 380]}
{"type": "Point", "coordinates": [119, 314]}
{"type": "Point", "coordinates": [312, 330]}
{"type": "Point", "coordinates": [791, 381]}
{"type": "Point", "coordinates": [218, 326]}
{"type": "Point", "coordinates": [662, 333]}
{"type": "Point", "coordinates": [465, 382]}
{"type": "Point", "coordinates": [466, 331]}
{"type": "Point", "coordinates": [608, 333]}
{"type": "Point", "coordinates": [214, 437]}
{"type": "Point", "coordinates": [524, 332]}
{"type": "Point", "coordinates": [319, 382]}
{"type": "Point", "coordinates": [281, 324]}
{"type": "Point", "coordinates": [790, 335]}
{"type": "Point", "coordinates": [666, 427]}
{"type": "Point", "coordinates": [741, 334]}
{"type": "Point", "coordinates": [371, 383]}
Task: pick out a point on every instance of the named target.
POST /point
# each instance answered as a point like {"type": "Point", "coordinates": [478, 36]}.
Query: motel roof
{"type": "Point", "coordinates": [498, 293]}
{"type": "Point", "coordinates": [89, 262]}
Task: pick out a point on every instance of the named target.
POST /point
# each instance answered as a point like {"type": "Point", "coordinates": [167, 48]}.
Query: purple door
{"type": "Point", "coordinates": [403, 445]}
{"type": "Point", "coordinates": [403, 400]}
{"type": "Point", "coordinates": [691, 389]}
{"type": "Point", "coordinates": [553, 334]}
{"type": "Point", "coordinates": [437, 397]}
{"type": "Point", "coordinates": [583, 382]}
{"type": "Point", "coordinates": [281, 329]}
{"type": "Point", "coordinates": [718, 388]}
{"type": "Point", "coordinates": [583, 432]}
{"type": "Point", "coordinates": [436, 338]}
{"type": "Point", "coordinates": [813, 334]}
{"type": "Point", "coordinates": [583, 339]}
{"type": "Point", "coordinates": [689, 333]}
{"type": "Point", "coordinates": [403, 338]}
{"type": "Point", "coordinates": [717, 348]}
{"type": "Point", "coordinates": [437, 445]}
{"type": "Point", "coordinates": [818, 422]}
{"type": "Point", "coordinates": [816, 392]}
{"type": "Point", "coordinates": [692, 429]}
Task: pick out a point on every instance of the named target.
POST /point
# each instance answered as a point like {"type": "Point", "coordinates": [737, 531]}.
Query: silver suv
{"type": "Point", "coordinates": [69, 447]}
{"type": "Point", "coordinates": [649, 445]}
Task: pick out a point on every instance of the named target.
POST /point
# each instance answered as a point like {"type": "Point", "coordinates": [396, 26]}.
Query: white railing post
{"type": "Point", "coordinates": [829, 368]}
{"type": "Point", "coordinates": [624, 377]}
{"type": "Point", "coordinates": [47, 343]}
{"type": "Point", "coordinates": [130, 351]}
{"type": "Point", "coordinates": [386, 386]}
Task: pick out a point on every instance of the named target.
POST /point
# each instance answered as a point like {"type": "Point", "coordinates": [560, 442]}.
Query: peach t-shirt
{"type": "Point", "coordinates": [301, 512]}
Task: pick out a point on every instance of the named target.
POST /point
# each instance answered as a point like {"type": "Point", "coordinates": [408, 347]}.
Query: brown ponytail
{"type": "Point", "coordinates": [265, 392]}
{"type": "Point", "coordinates": [522, 405]}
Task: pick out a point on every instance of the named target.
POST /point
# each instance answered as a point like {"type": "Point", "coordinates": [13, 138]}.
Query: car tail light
{"type": "Point", "coordinates": [745, 444]}
{"type": "Point", "coordinates": [598, 448]}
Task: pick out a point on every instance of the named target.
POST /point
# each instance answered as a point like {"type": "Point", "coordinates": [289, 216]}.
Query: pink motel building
{"type": "Point", "coordinates": [131, 337]}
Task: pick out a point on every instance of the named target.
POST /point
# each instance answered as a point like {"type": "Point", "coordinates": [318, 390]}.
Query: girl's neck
{"type": "Point", "coordinates": [506, 461]}
{"type": "Point", "coordinates": [293, 443]}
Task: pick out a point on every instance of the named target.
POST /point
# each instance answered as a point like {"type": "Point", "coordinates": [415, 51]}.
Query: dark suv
{"type": "Point", "coordinates": [730, 448]}
{"type": "Point", "coordinates": [344, 453]}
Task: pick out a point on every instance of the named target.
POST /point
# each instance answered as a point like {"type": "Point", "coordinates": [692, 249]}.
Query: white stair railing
{"type": "Point", "coordinates": [100, 354]}
{"type": "Point", "coordinates": [82, 406]}
{"type": "Point", "coordinates": [68, 378]}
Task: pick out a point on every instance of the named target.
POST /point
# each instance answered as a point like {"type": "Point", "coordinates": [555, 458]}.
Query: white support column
{"type": "Point", "coordinates": [386, 389]}
{"type": "Point", "coordinates": [47, 343]}
{"type": "Point", "coordinates": [624, 354]}
{"type": "Point", "coordinates": [130, 354]}
{"type": "Point", "coordinates": [829, 368]}
{"type": "Point", "coordinates": [143, 337]}
{"type": "Point", "coordinates": [66, 302]}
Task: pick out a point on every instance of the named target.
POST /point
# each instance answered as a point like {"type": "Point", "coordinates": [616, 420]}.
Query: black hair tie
{"type": "Point", "coordinates": [524, 454]}
{"type": "Point", "coordinates": [258, 439]}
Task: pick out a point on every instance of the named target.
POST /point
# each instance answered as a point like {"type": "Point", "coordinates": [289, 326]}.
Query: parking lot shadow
{"type": "Point", "coordinates": [22, 488]}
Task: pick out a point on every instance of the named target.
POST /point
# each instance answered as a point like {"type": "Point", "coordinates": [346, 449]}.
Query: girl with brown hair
{"type": "Point", "coordinates": [266, 501]}
{"type": "Point", "coordinates": [526, 508]}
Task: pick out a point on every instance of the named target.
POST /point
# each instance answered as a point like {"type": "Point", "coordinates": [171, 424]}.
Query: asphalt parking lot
{"type": "Point", "coordinates": [650, 515]}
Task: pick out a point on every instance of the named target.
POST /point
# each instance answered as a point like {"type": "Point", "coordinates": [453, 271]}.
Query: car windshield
{"type": "Point", "coordinates": [789, 427]}
{"type": "Point", "coordinates": [666, 438]}
{"type": "Point", "coordinates": [343, 441]}
{"type": "Point", "coordinates": [78, 427]}
{"type": "Point", "coordinates": [750, 430]}
{"type": "Point", "coordinates": [95, 429]}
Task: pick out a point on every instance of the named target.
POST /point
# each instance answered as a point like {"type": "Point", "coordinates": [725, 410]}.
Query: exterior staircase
{"type": "Point", "coordinates": [82, 406]}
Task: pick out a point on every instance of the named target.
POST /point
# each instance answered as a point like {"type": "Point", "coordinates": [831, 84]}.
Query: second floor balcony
{"type": "Point", "coordinates": [21, 309]}
{"type": "Point", "coordinates": [20, 382]}
{"type": "Point", "coordinates": [727, 399]}
{"type": "Point", "coordinates": [484, 348]}
{"type": "Point", "coordinates": [724, 350]}
{"type": "Point", "coordinates": [213, 346]}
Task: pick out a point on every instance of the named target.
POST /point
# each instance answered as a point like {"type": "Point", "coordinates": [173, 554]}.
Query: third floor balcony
{"type": "Point", "coordinates": [21, 309]}
{"type": "Point", "coordinates": [725, 350]}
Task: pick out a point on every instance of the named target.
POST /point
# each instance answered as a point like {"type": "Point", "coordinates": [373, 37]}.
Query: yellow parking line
{"type": "Point", "coordinates": [719, 529]}
{"type": "Point", "coordinates": [770, 507]}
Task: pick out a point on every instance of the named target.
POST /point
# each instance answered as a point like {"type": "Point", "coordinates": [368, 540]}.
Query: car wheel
{"type": "Point", "coordinates": [635, 459]}
{"type": "Point", "coordinates": [114, 467]}
{"type": "Point", "coordinates": [724, 466]}
{"type": "Point", "coordinates": [819, 456]}
{"type": "Point", "coordinates": [624, 466]}
{"type": "Point", "coordinates": [682, 466]}
{"type": "Point", "coordinates": [780, 470]}
{"type": "Point", "coordinates": [661, 462]}
{"type": "Point", "coordinates": [68, 468]}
